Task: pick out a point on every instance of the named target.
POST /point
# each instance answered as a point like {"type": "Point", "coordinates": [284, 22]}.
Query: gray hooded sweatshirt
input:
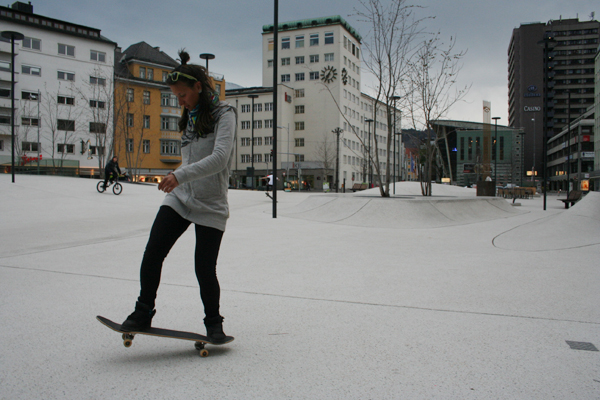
{"type": "Point", "coordinates": [203, 176]}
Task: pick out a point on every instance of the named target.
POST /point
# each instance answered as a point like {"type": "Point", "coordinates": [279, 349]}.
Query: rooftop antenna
{"type": "Point", "coordinates": [592, 15]}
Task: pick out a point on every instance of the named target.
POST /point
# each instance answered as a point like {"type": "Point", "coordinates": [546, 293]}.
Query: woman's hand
{"type": "Point", "coordinates": [168, 183]}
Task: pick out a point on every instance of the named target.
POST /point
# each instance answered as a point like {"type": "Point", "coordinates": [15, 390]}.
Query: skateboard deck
{"type": "Point", "coordinates": [200, 340]}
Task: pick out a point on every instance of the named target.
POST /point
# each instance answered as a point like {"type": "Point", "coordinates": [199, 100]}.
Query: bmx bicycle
{"type": "Point", "coordinates": [117, 188]}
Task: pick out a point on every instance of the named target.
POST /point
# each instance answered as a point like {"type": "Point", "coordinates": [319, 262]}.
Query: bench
{"type": "Point", "coordinates": [574, 197]}
{"type": "Point", "coordinates": [359, 186]}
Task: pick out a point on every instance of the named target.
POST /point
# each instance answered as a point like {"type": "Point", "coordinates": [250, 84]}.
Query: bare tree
{"type": "Point", "coordinates": [130, 126]}
{"type": "Point", "coordinates": [62, 121]}
{"type": "Point", "coordinates": [325, 153]}
{"type": "Point", "coordinates": [99, 96]}
{"type": "Point", "coordinates": [389, 45]}
{"type": "Point", "coordinates": [432, 92]}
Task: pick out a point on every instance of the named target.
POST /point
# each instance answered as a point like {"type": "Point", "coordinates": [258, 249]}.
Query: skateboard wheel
{"type": "Point", "coordinates": [199, 345]}
{"type": "Point", "coordinates": [203, 353]}
{"type": "Point", "coordinates": [127, 343]}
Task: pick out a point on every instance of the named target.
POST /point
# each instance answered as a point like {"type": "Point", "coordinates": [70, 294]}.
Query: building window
{"type": "Point", "coordinates": [300, 126]}
{"type": "Point", "coordinates": [168, 100]}
{"type": "Point", "coordinates": [300, 76]}
{"type": "Point", "coordinates": [31, 43]}
{"type": "Point", "coordinates": [245, 124]}
{"type": "Point", "coordinates": [146, 146]}
{"type": "Point", "coordinates": [66, 76]}
{"type": "Point", "coordinates": [299, 41]}
{"type": "Point", "coordinates": [258, 158]}
{"type": "Point", "coordinates": [268, 124]}
{"type": "Point", "coordinates": [65, 125]}
{"type": "Point", "coordinates": [97, 127]}
{"type": "Point", "coordinates": [169, 123]}
{"type": "Point", "coordinates": [328, 37]}
{"type": "Point", "coordinates": [246, 108]}
{"type": "Point", "coordinates": [269, 63]}
{"type": "Point", "coordinates": [97, 56]}
{"type": "Point", "coordinates": [170, 147]}
{"type": "Point", "coordinates": [97, 104]}
{"type": "Point", "coordinates": [66, 50]}
{"type": "Point", "coordinates": [300, 60]}
{"type": "Point", "coordinates": [245, 142]}
{"type": "Point", "coordinates": [299, 109]}
{"type": "Point", "coordinates": [26, 121]}
{"type": "Point", "coordinates": [245, 158]}
{"type": "Point", "coordinates": [314, 76]}
{"type": "Point", "coordinates": [285, 43]}
{"type": "Point", "coordinates": [65, 148]}
{"type": "Point", "coordinates": [129, 145]}
{"type": "Point", "coordinates": [146, 122]}
{"type": "Point", "coordinates": [29, 146]}
{"type": "Point", "coordinates": [150, 74]}
{"type": "Point", "coordinates": [299, 157]}
{"type": "Point", "coordinates": [66, 100]}
{"type": "Point", "coordinates": [329, 57]}
{"type": "Point", "coordinates": [129, 119]}
{"type": "Point", "coordinates": [314, 58]}
{"type": "Point", "coordinates": [268, 106]}
{"type": "Point", "coordinates": [29, 70]}
{"type": "Point", "coordinates": [285, 78]}
{"type": "Point", "coordinates": [258, 107]}
{"type": "Point", "coordinates": [299, 92]}
{"type": "Point", "coordinates": [165, 76]}
{"type": "Point", "coordinates": [285, 61]}
{"type": "Point", "coordinates": [94, 80]}
{"type": "Point", "coordinates": [271, 44]}
{"type": "Point", "coordinates": [258, 125]}
{"type": "Point", "coordinates": [299, 142]}
{"type": "Point", "coordinates": [314, 39]}
{"type": "Point", "coordinates": [26, 95]}
{"type": "Point", "coordinates": [146, 97]}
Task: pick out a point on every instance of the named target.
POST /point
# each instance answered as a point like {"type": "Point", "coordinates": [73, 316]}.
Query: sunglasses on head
{"type": "Point", "coordinates": [174, 76]}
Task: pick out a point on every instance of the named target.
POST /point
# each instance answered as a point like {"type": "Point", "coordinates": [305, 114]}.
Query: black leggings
{"type": "Point", "coordinates": [167, 228]}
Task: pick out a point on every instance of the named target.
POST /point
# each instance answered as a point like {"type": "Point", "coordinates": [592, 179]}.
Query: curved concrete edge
{"type": "Point", "coordinates": [578, 226]}
{"type": "Point", "coordinates": [402, 213]}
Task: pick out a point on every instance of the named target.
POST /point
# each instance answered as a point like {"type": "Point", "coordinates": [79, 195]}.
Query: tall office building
{"type": "Point", "coordinates": [319, 79]}
{"type": "Point", "coordinates": [572, 76]}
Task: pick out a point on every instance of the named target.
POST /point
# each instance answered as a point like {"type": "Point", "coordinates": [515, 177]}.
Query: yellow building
{"type": "Point", "coordinates": [147, 140]}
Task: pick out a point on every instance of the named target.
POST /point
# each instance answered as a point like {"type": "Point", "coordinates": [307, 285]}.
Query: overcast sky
{"type": "Point", "coordinates": [231, 29]}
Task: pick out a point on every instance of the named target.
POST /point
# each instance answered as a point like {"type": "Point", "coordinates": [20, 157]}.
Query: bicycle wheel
{"type": "Point", "coordinates": [100, 187]}
{"type": "Point", "coordinates": [117, 188]}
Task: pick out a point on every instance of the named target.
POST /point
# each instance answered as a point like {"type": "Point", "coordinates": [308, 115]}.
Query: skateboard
{"type": "Point", "coordinates": [127, 337]}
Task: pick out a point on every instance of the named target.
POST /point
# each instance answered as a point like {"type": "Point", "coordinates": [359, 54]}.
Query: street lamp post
{"type": "Point", "coordinates": [252, 96]}
{"type": "Point", "coordinates": [395, 98]}
{"type": "Point", "coordinates": [495, 153]}
{"type": "Point", "coordinates": [12, 36]}
{"type": "Point", "coordinates": [548, 43]}
{"type": "Point", "coordinates": [337, 131]}
{"type": "Point", "coordinates": [368, 121]}
{"type": "Point", "coordinates": [207, 56]}
{"type": "Point", "coordinates": [288, 150]}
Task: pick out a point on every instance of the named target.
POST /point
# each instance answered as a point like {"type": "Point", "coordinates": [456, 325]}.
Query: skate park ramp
{"type": "Point", "coordinates": [579, 226]}
{"type": "Point", "coordinates": [449, 206]}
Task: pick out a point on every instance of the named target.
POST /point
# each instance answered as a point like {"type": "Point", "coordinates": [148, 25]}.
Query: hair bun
{"type": "Point", "coordinates": [184, 57]}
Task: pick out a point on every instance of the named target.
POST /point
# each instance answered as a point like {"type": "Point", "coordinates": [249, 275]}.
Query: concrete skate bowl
{"type": "Point", "coordinates": [579, 226]}
{"type": "Point", "coordinates": [406, 212]}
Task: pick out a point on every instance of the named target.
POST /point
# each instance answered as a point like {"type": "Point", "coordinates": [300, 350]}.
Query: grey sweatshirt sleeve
{"type": "Point", "coordinates": [218, 160]}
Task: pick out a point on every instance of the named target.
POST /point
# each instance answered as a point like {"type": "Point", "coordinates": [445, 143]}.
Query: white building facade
{"type": "Point", "coordinates": [63, 94]}
{"type": "Point", "coordinates": [319, 78]}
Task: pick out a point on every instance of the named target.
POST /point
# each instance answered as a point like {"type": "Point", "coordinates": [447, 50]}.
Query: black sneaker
{"type": "Point", "coordinates": [140, 319]}
{"type": "Point", "coordinates": [214, 330]}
